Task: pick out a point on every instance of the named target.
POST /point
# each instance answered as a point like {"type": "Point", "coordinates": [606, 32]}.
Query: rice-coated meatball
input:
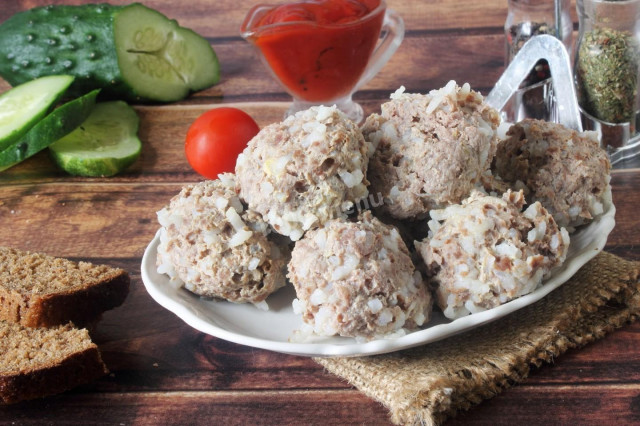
{"type": "Point", "coordinates": [216, 248]}
{"type": "Point", "coordinates": [356, 279]}
{"type": "Point", "coordinates": [486, 251]}
{"type": "Point", "coordinates": [430, 150]}
{"type": "Point", "coordinates": [565, 170]}
{"type": "Point", "coordinates": [304, 171]}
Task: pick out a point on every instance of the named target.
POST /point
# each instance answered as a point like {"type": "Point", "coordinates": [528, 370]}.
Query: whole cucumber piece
{"type": "Point", "coordinates": [130, 52]}
{"type": "Point", "coordinates": [60, 122]}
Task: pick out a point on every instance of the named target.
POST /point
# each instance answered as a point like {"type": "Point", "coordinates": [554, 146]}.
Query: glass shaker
{"type": "Point", "coordinates": [606, 68]}
{"type": "Point", "coordinates": [526, 19]}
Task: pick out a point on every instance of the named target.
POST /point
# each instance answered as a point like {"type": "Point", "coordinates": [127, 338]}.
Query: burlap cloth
{"type": "Point", "coordinates": [427, 384]}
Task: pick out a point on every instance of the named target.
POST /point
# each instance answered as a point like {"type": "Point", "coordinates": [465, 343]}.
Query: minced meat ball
{"type": "Point", "coordinates": [565, 170]}
{"type": "Point", "coordinates": [356, 279]}
{"type": "Point", "coordinates": [430, 150]}
{"type": "Point", "coordinates": [215, 248]}
{"type": "Point", "coordinates": [486, 251]}
{"type": "Point", "coordinates": [304, 171]}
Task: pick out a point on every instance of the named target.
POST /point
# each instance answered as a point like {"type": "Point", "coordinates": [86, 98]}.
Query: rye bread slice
{"type": "Point", "coordinates": [37, 362]}
{"type": "Point", "coordinates": [37, 290]}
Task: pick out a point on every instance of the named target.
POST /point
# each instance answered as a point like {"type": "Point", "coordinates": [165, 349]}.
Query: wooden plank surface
{"type": "Point", "coordinates": [222, 18]}
{"type": "Point", "coordinates": [163, 371]}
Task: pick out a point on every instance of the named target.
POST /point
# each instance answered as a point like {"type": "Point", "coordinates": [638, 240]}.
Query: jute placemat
{"type": "Point", "coordinates": [427, 384]}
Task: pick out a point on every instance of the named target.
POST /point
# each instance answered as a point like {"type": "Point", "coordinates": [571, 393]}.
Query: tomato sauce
{"type": "Point", "coordinates": [319, 48]}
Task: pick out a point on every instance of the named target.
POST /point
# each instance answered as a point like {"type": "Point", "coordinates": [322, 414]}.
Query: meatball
{"type": "Point", "coordinates": [486, 251]}
{"type": "Point", "coordinates": [430, 150]}
{"type": "Point", "coordinates": [215, 248]}
{"type": "Point", "coordinates": [565, 170]}
{"type": "Point", "coordinates": [304, 171]}
{"type": "Point", "coordinates": [356, 279]}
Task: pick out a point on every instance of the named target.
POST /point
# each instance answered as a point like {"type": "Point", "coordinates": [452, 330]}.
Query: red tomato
{"type": "Point", "coordinates": [216, 138]}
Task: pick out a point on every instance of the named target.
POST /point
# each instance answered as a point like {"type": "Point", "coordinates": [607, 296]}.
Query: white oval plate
{"type": "Point", "coordinates": [247, 325]}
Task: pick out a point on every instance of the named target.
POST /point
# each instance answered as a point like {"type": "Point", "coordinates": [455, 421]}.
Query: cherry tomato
{"type": "Point", "coordinates": [216, 138]}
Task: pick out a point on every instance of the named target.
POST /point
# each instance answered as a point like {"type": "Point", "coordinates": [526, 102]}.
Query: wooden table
{"type": "Point", "coordinates": [163, 371]}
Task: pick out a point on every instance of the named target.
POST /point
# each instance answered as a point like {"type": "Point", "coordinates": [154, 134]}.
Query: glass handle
{"type": "Point", "coordinates": [554, 51]}
{"type": "Point", "coordinates": [393, 29]}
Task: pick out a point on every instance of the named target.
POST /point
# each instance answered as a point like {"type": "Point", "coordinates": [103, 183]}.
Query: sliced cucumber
{"type": "Point", "coordinates": [24, 105]}
{"type": "Point", "coordinates": [104, 144]}
{"type": "Point", "coordinates": [57, 124]}
{"type": "Point", "coordinates": [158, 58]}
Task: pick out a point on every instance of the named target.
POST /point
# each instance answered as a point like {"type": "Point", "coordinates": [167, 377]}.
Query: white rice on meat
{"type": "Point", "coordinates": [486, 251]}
{"type": "Point", "coordinates": [214, 247]}
{"type": "Point", "coordinates": [567, 171]}
{"type": "Point", "coordinates": [430, 150]}
{"type": "Point", "coordinates": [356, 279]}
{"type": "Point", "coordinates": [304, 171]}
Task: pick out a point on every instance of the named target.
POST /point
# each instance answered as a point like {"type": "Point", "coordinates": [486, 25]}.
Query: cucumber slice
{"type": "Point", "coordinates": [104, 145]}
{"type": "Point", "coordinates": [26, 104]}
{"type": "Point", "coordinates": [57, 124]}
{"type": "Point", "coordinates": [158, 58]}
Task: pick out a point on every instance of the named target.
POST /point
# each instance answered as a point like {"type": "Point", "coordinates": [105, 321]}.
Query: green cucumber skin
{"type": "Point", "coordinates": [7, 140]}
{"type": "Point", "coordinates": [107, 166]}
{"type": "Point", "coordinates": [54, 126]}
{"type": "Point", "coordinates": [73, 40]}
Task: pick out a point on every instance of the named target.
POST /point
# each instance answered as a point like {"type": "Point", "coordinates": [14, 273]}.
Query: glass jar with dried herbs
{"type": "Point", "coordinates": [608, 60]}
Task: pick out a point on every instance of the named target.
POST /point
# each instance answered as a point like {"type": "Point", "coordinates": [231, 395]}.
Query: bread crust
{"type": "Point", "coordinates": [83, 302]}
{"type": "Point", "coordinates": [77, 369]}
{"type": "Point", "coordinates": [38, 291]}
{"type": "Point", "coordinates": [78, 305]}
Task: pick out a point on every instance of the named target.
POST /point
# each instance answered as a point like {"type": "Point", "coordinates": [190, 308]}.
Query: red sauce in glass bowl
{"type": "Point", "coordinates": [318, 49]}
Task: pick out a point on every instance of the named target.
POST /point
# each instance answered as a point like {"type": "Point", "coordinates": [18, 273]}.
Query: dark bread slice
{"type": "Point", "coordinates": [37, 362]}
{"type": "Point", "coordinates": [38, 290]}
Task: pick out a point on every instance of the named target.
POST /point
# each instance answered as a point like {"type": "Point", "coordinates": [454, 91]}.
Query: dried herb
{"type": "Point", "coordinates": [607, 71]}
